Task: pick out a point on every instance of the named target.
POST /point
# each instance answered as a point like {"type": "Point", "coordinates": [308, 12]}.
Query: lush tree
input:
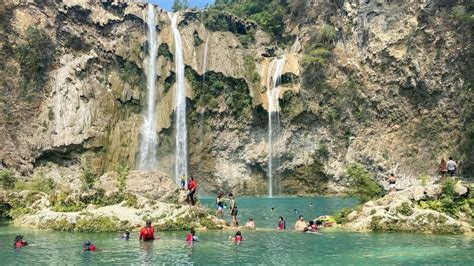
{"type": "Point", "coordinates": [180, 5]}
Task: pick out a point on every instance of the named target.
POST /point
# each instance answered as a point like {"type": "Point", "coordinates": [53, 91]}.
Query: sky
{"type": "Point", "coordinates": [166, 4]}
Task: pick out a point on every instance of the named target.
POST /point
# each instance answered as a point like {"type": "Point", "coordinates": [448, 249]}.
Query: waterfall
{"type": "Point", "coordinates": [149, 140]}
{"type": "Point", "coordinates": [275, 70]}
{"type": "Point", "coordinates": [204, 60]}
{"type": "Point", "coordinates": [181, 160]}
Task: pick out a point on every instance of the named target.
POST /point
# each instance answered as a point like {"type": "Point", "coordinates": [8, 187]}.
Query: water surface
{"type": "Point", "coordinates": [265, 246]}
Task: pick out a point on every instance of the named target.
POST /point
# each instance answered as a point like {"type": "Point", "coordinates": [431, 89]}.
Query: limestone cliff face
{"type": "Point", "coordinates": [392, 96]}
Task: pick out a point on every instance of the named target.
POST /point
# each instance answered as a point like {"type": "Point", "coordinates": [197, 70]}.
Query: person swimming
{"type": "Point", "coordinates": [311, 205]}
{"type": "Point", "coordinates": [191, 236]}
{"type": "Point", "coordinates": [19, 242]}
{"type": "Point", "coordinates": [295, 210]}
{"type": "Point", "coordinates": [281, 223]}
{"type": "Point", "coordinates": [272, 209]}
{"type": "Point", "coordinates": [300, 224]}
{"type": "Point", "coordinates": [312, 226]}
{"type": "Point", "coordinates": [88, 246]}
{"type": "Point", "coordinates": [250, 224]}
{"type": "Point", "coordinates": [126, 235]}
{"type": "Point", "coordinates": [237, 238]}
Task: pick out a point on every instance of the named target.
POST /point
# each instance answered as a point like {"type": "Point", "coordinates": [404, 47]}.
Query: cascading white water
{"type": "Point", "coordinates": [181, 160]}
{"type": "Point", "coordinates": [204, 60]}
{"type": "Point", "coordinates": [149, 141]}
{"type": "Point", "coordinates": [275, 70]}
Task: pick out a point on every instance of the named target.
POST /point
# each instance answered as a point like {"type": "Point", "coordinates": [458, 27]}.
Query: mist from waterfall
{"type": "Point", "coordinates": [181, 160]}
{"type": "Point", "coordinates": [275, 70]}
{"type": "Point", "coordinates": [147, 158]}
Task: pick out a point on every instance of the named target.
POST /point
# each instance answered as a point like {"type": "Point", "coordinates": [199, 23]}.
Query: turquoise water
{"type": "Point", "coordinates": [265, 246]}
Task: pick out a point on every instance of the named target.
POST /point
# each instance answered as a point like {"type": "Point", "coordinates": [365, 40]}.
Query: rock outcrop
{"type": "Point", "coordinates": [109, 207]}
{"type": "Point", "coordinates": [400, 211]}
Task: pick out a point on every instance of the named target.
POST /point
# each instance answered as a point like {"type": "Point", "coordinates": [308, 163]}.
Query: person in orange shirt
{"type": "Point", "coordinates": [192, 185]}
{"type": "Point", "coordinates": [147, 233]}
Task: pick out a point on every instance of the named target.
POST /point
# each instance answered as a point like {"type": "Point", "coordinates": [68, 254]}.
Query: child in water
{"type": "Point", "coordinates": [237, 238]}
{"type": "Point", "coordinates": [250, 224]}
{"type": "Point", "coordinates": [19, 242]}
{"type": "Point", "coordinates": [191, 237]}
{"type": "Point", "coordinates": [126, 235]}
{"type": "Point", "coordinates": [281, 223]}
{"type": "Point", "coordinates": [88, 246]}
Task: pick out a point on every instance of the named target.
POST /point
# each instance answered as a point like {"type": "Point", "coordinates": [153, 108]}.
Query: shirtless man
{"type": "Point", "coordinates": [300, 224]}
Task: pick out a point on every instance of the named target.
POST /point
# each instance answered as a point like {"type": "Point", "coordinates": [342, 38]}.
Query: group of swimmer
{"type": "Point", "coordinates": [146, 234]}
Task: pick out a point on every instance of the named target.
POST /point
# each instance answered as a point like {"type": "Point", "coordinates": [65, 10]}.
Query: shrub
{"type": "Point", "coordinates": [7, 180]}
{"type": "Point", "coordinates": [362, 186]}
{"type": "Point", "coordinates": [35, 55]}
{"type": "Point", "coordinates": [122, 174]}
{"type": "Point", "coordinates": [88, 178]}
{"type": "Point", "coordinates": [59, 225]}
{"type": "Point", "coordinates": [328, 34]}
{"type": "Point", "coordinates": [423, 179]}
{"type": "Point", "coordinates": [208, 223]}
{"type": "Point", "coordinates": [97, 224]}
{"type": "Point", "coordinates": [405, 209]}
{"type": "Point", "coordinates": [42, 184]}
{"type": "Point", "coordinates": [448, 188]}
{"type": "Point", "coordinates": [316, 55]}
{"type": "Point", "coordinates": [341, 216]}
{"type": "Point", "coordinates": [75, 42]}
{"type": "Point", "coordinates": [181, 224]}
{"type": "Point", "coordinates": [323, 152]}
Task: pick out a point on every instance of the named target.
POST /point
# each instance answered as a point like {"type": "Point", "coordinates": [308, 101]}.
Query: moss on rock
{"type": "Point", "coordinates": [97, 224]}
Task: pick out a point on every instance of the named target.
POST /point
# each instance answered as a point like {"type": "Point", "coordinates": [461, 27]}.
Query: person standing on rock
{"type": "Point", "coordinates": [183, 182]}
{"type": "Point", "coordinates": [443, 168]}
{"type": "Point", "coordinates": [147, 233]}
{"type": "Point", "coordinates": [452, 166]}
{"type": "Point", "coordinates": [220, 205]}
{"type": "Point", "coordinates": [192, 186]}
{"type": "Point", "coordinates": [233, 210]}
{"type": "Point", "coordinates": [391, 182]}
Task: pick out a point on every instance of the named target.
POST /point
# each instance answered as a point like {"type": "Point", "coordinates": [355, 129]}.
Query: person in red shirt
{"type": "Point", "coordinates": [19, 242]}
{"type": "Point", "coordinates": [147, 233]}
{"type": "Point", "coordinates": [191, 237]}
{"type": "Point", "coordinates": [88, 246]}
{"type": "Point", "coordinates": [192, 185]}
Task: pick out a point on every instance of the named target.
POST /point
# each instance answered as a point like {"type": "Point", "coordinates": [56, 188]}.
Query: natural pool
{"type": "Point", "coordinates": [265, 246]}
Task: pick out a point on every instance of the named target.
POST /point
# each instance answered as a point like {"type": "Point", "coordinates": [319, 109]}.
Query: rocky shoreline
{"type": "Point", "coordinates": [147, 196]}
{"type": "Point", "coordinates": [441, 209]}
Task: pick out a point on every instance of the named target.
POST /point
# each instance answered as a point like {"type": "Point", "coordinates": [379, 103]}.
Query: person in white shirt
{"type": "Point", "coordinates": [452, 166]}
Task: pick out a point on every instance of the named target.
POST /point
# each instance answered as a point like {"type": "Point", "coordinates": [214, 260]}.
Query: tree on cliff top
{"type": "Point", "coordinates": [269, 14]}
{"type": "Point", "coordinates": [180, 5]}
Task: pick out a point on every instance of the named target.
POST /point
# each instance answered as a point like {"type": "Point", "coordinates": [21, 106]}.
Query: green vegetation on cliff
{"type": "Point", "coordinates": [220, 91]}
{"type": "Point", "coordinates": [362, 186]}
{"type": "Point", "coordinates": [35, 55]}
{"type": "Point", "coordinates": [269, 14]}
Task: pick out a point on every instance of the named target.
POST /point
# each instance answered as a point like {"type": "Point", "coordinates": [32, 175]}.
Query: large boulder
{"type": "Point", "coordinates": [399, 211]}
{"type": "Point", "coordinates": [151, 184]}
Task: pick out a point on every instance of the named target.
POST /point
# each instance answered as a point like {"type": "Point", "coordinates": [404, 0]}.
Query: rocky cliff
{"type": "Point", "coordinates": [382, 83]}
